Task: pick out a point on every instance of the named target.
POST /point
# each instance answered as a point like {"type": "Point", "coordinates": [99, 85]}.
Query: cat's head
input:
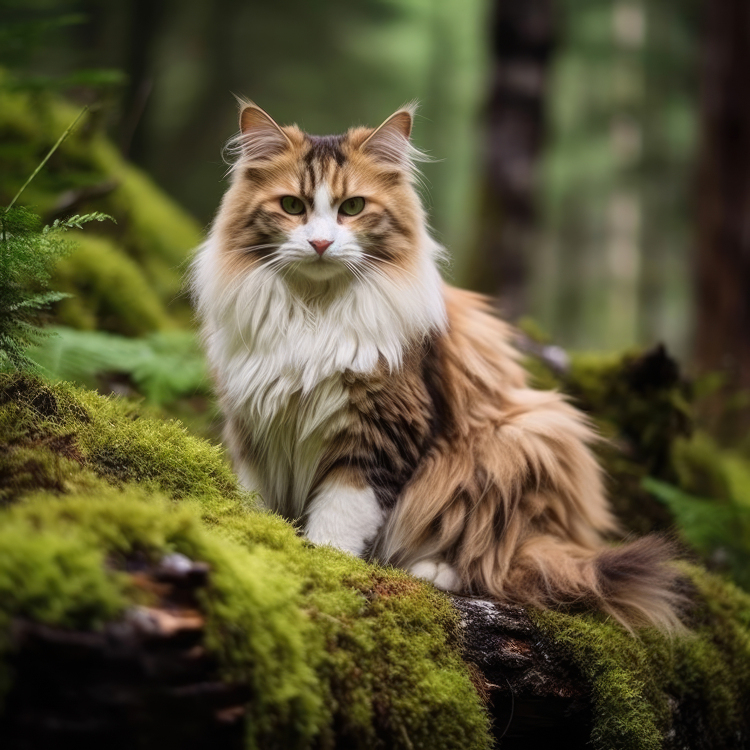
{"type": "Point", "coordinates": [317, 208]}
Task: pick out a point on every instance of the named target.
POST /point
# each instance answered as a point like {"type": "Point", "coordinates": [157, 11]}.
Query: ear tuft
{"type": "Point", "coordinates": [260, 138]}
{"type": "Point", "coordinates": [389, 143]}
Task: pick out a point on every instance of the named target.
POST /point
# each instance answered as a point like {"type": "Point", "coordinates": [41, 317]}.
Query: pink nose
{"type": "Point", "coordinates": [321, 245]}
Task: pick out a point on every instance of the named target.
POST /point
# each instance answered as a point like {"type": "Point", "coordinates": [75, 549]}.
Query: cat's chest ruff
{"type": "Point", "coordinates": [305, 371]}
{"type": "Point", "coordinates": [298, 402]}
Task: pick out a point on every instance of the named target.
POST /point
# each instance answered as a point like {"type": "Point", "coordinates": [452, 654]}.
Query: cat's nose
{"type": "Point", "coordinates": [320, 245]}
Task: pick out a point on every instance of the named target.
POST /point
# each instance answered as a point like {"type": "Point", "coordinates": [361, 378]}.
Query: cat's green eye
{"type": "Point", "coordinates": [292, 205]}
{"type": "Point", "coordinates": [352, 206]}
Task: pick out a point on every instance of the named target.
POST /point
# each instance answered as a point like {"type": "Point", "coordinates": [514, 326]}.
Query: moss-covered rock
{"type": "Point", "coordinates": [334, 651]}
{"type": "Point", "coordinates": [96, 266]}
{"type": "Point", "coordinates": [129, 278]}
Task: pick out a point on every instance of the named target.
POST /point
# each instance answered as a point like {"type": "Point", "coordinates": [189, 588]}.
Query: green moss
{"type": "Point", "coordinates": [91, 274]}
{"type": "Point", "coordinates": [640, 394]}
{"type": "Point", "coordinates": [334, 651]}
{"type": "Point", "coordinates": [109, 437]}
{"type": "Point", "coordinates": [134, 269]}
{"type": "Point", "coordinates": [52, 576]}
{"type": "Point", "coordinates": [159, 235]}
{"type": "Point", "coordinates": [656, 692]}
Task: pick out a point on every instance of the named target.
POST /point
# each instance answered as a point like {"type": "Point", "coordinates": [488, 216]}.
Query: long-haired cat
{"type": "Point", "coordinates": [385, 410]}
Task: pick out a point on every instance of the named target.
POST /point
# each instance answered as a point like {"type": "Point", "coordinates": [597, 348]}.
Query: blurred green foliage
{"type": "Point", "coordinates": [719, 530]}
{"type": "Point", "coordinates": [324, 66]}
{"type": "Point", "coordinates": [162, 366]}
{"type": "Point", "coordinates": [126, 278]}
{"type": "Point", "coordinates": [612, 266]}
{"type": "Point", "coordinates": [664, 472]}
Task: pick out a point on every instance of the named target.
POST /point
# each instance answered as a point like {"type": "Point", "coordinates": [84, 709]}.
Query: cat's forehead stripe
{"type": "Point", "coordinates": [322, 163]}
{"type": "Point", "coordinates": [324, 148]}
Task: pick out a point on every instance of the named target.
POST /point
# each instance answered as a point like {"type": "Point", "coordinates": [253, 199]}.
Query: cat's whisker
{"type": "Point", "coordinates": [252, 248]}
{"type": "Point", "coordinates": [357, 273]}
{"type": "Point", "coordinates": [381, 275]}
{"type": "Point", "coordinates": [373, 262]}
{"type": "Point", "coordinates": [272, 268]}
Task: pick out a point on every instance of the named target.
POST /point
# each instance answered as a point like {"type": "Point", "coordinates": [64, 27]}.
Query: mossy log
{"type": "Point", "coordinates": [146, 680]}
{"type": "Point", "coordinates": [144, 599]}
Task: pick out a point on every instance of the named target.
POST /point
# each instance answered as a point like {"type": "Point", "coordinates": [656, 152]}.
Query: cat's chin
{"type": "Point", "coordinates": [321, 270]}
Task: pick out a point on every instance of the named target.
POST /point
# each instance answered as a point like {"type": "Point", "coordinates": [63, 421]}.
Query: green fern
{"type": "Point", "coordinates": [163, 366]}
{"type": "Point", "coordinates": [718, 529]}
{"type": "Point", "coordinates": [28, 253]}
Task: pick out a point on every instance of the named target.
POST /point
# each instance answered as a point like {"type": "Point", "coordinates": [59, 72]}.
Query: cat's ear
{"type": "Point", "coordinates": [390, 143]}
{"type": "Point", "coordinates": [260, 138]}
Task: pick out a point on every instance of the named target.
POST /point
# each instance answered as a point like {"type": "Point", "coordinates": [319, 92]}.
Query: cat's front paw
{"type": "Point", "coordinates": [440, 574]}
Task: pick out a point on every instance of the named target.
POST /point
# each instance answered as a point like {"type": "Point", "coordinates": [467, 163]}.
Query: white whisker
{"type": "Point", "coordinates": [373, 262]}
{"type": "Point", "coordinates": [252, 248]}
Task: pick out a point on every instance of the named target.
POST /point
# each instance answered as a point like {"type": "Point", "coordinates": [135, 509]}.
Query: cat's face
{"type": "Point", "coordinates": [317, 208]}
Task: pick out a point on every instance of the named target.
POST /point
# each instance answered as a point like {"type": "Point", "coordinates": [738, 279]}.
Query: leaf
{"type": "Point", "coordinates": [718, 529]}
{"type": "Point", "coordinates": [163, 366]}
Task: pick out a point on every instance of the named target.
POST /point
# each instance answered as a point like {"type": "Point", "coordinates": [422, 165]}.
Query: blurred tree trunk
{"type": "Point", "coordinates": [522, 41]}
{"type": "Point", "coordinates": [145, 25]}
{"type": "Point", "coordinates": [723, 259]}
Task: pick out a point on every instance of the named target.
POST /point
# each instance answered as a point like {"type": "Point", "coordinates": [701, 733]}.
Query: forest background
{"type": "Point", "coordinates": [566, 135]}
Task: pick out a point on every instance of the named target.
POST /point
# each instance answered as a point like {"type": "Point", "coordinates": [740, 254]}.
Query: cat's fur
{"type": "Point", "coordinates": [387, 411]}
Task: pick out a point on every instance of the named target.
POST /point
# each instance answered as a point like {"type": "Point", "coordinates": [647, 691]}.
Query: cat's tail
{"type": "Point", "coordinates": [637, 583]}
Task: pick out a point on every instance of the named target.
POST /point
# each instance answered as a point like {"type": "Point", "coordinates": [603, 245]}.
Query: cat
{"type": "Point", "coordinates": [386, 411]}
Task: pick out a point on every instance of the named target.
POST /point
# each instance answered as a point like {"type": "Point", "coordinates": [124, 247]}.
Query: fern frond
{"type": "Point", "coordinates": [28, 253]}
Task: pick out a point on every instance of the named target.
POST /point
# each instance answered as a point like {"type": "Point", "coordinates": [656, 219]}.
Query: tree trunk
{"type": "Point", "coordinates": [722, 267]}
{"type": "Point", "coordinates": [523, 37]}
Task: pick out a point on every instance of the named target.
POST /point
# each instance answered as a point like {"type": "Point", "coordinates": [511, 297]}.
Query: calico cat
{"type": "Point", "coordinates": [386, 411]}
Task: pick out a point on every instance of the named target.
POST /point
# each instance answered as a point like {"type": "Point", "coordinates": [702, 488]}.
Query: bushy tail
{"type": "Point", "coordinates": [636, 583]}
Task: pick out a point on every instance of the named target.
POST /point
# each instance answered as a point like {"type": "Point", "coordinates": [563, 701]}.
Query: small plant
{"type": "Point", "coordinates": [28, 253]}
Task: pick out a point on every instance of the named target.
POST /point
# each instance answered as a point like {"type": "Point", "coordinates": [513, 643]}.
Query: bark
{"type": "Point", "coordinates": [145, 24]}
{"type": "Point", "coordinates": [534, 696]}
{"type": "Point", "coordinates": [722, 267]}
{"type": "Point", "coordinates": [523, 39]}
{"type": "Point", "coordinates": [145, 681]}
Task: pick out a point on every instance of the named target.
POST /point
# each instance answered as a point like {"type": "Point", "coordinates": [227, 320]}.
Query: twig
{"type": "Point", "coordinates": [46, 158]}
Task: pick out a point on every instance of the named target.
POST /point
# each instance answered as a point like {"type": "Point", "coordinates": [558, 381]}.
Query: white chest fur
{"type": "Point", "coordinates": [280, 359]}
